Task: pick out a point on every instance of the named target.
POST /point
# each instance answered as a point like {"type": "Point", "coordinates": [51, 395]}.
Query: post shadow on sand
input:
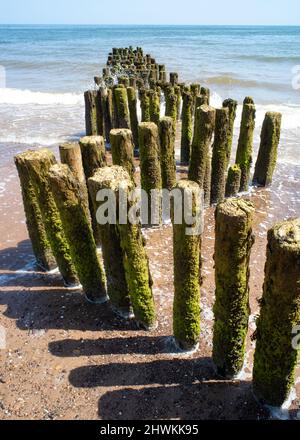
{"type": "Point", "coordinates": [183, 389]}
{"type": "Point", "coordinates": [16, 257]}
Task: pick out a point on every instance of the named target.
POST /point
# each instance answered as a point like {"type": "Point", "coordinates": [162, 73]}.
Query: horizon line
{"type": "Point", "coordinates": [147, 24]}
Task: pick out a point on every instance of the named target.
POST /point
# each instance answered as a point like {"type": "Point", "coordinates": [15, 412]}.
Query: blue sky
{"type": "Point", "coordinates": [150, 12]}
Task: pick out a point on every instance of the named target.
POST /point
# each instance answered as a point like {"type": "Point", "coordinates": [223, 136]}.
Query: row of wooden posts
{"type": "Point", "coordinates": [60, 205]}
{"type": "Point", "coordinates": [129, 76]}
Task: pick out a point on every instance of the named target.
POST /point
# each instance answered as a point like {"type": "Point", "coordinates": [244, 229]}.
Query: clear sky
{"type": "Point", "coordinates": [286, 12]}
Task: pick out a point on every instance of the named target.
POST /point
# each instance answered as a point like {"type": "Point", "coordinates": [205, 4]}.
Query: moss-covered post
{"type": "Point", "coordinates": [177, 91]}
{"type": "Point", "coordinates": [207, 180]}
{"type": "Point", "coordinates": [90, 97]}
{"type": "Point", "coordinates": [34, 220]}
{"type": "Point", "coordinates": [93, 154]}
{"type": "Point", "coordinates": [233, 181]}
{"type": "Point", "coordinates": [70, 154]}
{"type": "Point", "coordinates": [134, 254]}
{"type": "Point", "coordinates": [134, 122]}
{"type": "Point", "coordinates": [93, 157]}
{"type": "Point", "coordinates": [117, 289]}
{"type": "Point", "coordinates": [267, 155]}
{"type": "Point", "coordinates": [232, 105]}
{"type": "Point", "coordinates": [150, 162]}
{"type": "Point", "coordinates": [167, 151]}
{"type": "Point", "coordinates": [100, 111]}
{"type": "Point", "coordinates": [203, 132]}
{"type": "Point", "coordinates": [68, 197]}
{"type": "Point", "coordinates": [276, 356]}
{"type": "Point", "coordinates": [205, 92]}
{"type": "Point", "coordinates": [187, 251]}
{"type": "Point", "coordinates": [154, 107]}
{"type": "Point", "coordinates": [122, 109]}
{"type": "Point", "coordinates": [145, 105]}
{"type": "Point", "coordinates": [171, 103]}
{"type": "Point", "coordinates": [245, 143]}
{"type": "Point", "coordinates": [108, 109]}
{"type": "Point", "coordinates": [173, 78]}
{"type": "Point", "coordinates": [234, 240]}
{"type": "Point", "coordinates": [38, 164]}
{"type": "Point", "coordinates": [195, 91]}
{"type": "Point", "coordinates": [187, 128]}
{"type": "Point", "coordinates": [219, 158]}
{"type": "Point", "coordinates": [123, 150]}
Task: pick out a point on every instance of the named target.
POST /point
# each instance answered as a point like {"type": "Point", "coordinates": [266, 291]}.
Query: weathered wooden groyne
{"type": "Point", "coordinates": [136, 115]}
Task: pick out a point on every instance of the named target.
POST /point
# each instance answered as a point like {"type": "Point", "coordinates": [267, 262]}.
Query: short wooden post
{"type": "Point", "coordinates": [167, 152]}
{"type": "Point", "coordinates": [90, 97]}
{"type": "Point", "coordinates": [134, 123]}
{"type": "Point", "coordinates": [123, 150]}
{"type": "Point", "coordinates": [276, 353]}
{"type": "Point", "coordinates": [70, 202]}
{"type": "Point", "coordinates": [234, 240]}
{"type": "Point", "coordinates": [267, 156]}
{"type": "Point", "coordinates": [233, 181]}
{"type": "Point", "coordinates": [187, 128]}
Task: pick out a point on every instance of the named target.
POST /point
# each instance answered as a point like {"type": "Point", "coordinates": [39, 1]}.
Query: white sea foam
{"type": "Point", "coordinates": [26, 97]}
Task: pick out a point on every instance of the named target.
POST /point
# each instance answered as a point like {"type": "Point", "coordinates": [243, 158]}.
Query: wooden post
{"type": "Point", "coordinates": [233, 244]}
{"type": "Point", "coordinates": [267, 156]}
{"type": "Point", "coordinates": [93, 157]}
{"type": "Point", "coordinates": [70, 202]}
{"type": "Point", "coordinates": [154, 107]}
{"type": "Point", "coordinates": [70, 154]}
{"type": "Point", "coordinates": [203, 132]}
{"type": "Point", "coordinates": [220, 154]}
{"type": "Point", "coordinates": [38, 164]}
{"type": "Point", "coordinates": [34, 220]}
{"type": "Point", "coordinates": [145, 105]}
{"type": "Point", "coordinates": [173, 78]}
{"type": "Point", "coordinates": [187, 251]}
{"type": "Point", "coordinates": [276, 356]}
{"type": "Point", "coordinates": [232, 106]}
{"type": "Point", "coordinates": [117, 289]}
{"type": "Point", "coordinates": [122, 110]}
{"type": "Point", "coordinates": [134, 123]}
{"type": "Point", "coordinates": [135, 258]}
{"type": "Point", "coordinates": [245, 144]}
{"type": "Point", "coordinates": [123, 150]}
{"type": "Point", "coordinates": [187, 128]}
{"type": "Point", "coordinates": [108, 112]}
{"type": "Point", "coordinates": [91, 113]}
{"type": "Point", "coordinates": [167, 150]}
{"type": "Point", "coordinates": [150, 161]}
{"type": "Point", "coordinates": [233, 181]}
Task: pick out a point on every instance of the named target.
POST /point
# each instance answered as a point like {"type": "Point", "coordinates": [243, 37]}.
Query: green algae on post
{"type": "Point", "coordinates": [107, 179]}
{"type": "Point", "coordinates": [167, 151]}
{"type": "Point", "coordinates": [187, 251]}
{"type": "Point", "coordinates": [233, 181]}
{"type": "Point", "coordinates": [220, 154]}
{"type": "Point", "coordinates": [154, 107]}
{"type": "Point", "coordinates": [245, 143]}
{"type": "Point", "coordinates": [69, 199]}
{"type": "Point", "coordinates": [232, 105]}
{"type": "Point", "coordinates": [91, 112]}
{"type": "Point", "coordinates": [38, 164]}
{"type": "Point", "coordinates": [275, 357]}
{"type": "Point", "coordinates": [150, 163]}
{"type": "Point", "coordinates": [134, 122]}
{"type": "Point", "coordinates": [123, 150]}
{"type": "Point", "coordinates": [234, 240]}
{"type": "Point", "coordinates": [267, 156]}
{"type": "Point", "coordinates": [187, 128]}
{"type": "Point", "coordinates": [122, 109]}
{"type": "Point", "coordinates": [203, 132]}
{"type": "Point", "coordinates": [93, 155]}
{"type": "Point", "coordinates": [34, 220]}
{"type": "Point", "coordinates": [145, 104]}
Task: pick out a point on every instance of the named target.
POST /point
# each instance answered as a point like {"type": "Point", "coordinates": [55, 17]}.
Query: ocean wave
{"type": "Point", "coordinates": [24, 97]}
{"type": "Point", "coordinates": [226, 80]}
{"type": "Point", "coordinates": [42, 140]}
{"type": "Point", "coordinates": [270, 58]}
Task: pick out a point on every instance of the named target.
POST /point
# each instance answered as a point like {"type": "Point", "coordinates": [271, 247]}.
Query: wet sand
{"type": "Point", "coordinates": [67, 359]}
